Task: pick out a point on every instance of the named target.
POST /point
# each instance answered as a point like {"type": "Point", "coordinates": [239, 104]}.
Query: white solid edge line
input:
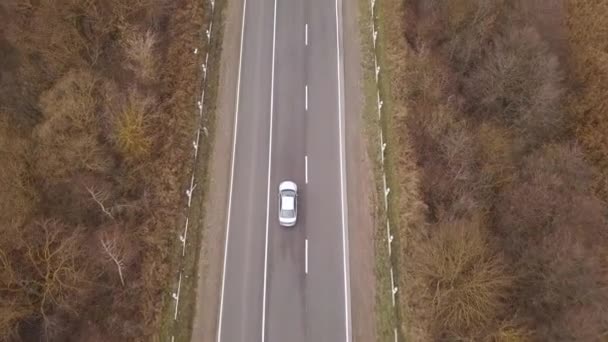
{"type": "Point", "coordinates": [236, 120]}
{"type": "Point", "coordinates": [306, 169]}
{"type": "Point", "coordinates": [306, 256]}
{"type": "Point", "coordinates": [274, 35]}
{"type": "Point", "coordinates": [344, 223]}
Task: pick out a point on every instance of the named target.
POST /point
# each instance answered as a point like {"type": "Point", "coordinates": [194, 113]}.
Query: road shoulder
{"type": "Point", "coordinates": [215, 206]}
{"type": "Point", "coordinates": [360, 186]}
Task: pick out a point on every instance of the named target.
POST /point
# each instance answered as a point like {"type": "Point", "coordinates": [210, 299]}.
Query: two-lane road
{"type": "Point", "coordinates": [287, 284]}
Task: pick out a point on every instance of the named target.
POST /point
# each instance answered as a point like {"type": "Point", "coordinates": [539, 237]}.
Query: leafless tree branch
{"type": "Point", "coordinates": [112, 251]}
{"type": "Point", "coordinates": [99, 196]}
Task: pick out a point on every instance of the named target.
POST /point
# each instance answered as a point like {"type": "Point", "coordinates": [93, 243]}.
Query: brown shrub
{"type": "Point", "coordinates": [562, 289]}
{"type": "Point", "coordinates": [141, 55]}
{"type": "Point", "coordinates": [509, 331]}
{"type": "Point", "coordinates": [47, 31]}
{"type": "Point", "coordinates": [131, 134]}
{"type": "Point", "coordinates": [447, 153]}
{"type": "Point", "coordinates": [588, 38]}
{"type": "Point", "coordinates": [54, 251]}
{"type": "Point", "coordinates": [548, 17]}
{"type": "Point", "coordinates": [553, 189]}
{"type": "Point", "coordinates": [498, 152]}
{"type": "Point", "coordinates": [44, 276]}
{"type": "Point", "coordinates": [508, 73]}
{"type": "Point", "coordinates": [18, 198]}
{"type": "Point", "coordinates": [443, 144]}
{"type": "Point", "coordinates": [67, 141]}
{"type": "Point", "coordinates": [464, 282]}
{"type": "Point", "coordinates": [426, 88]}
{"type": "Point", "coordinates": [460, 30]}
{"type": "Point", "coordinates": [520, 85]}
{"type": "Point", "coordinates": [553, 229]}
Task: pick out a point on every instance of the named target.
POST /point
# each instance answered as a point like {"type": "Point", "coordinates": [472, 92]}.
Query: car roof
{"type": "Point", "coordinates": [288, 203]}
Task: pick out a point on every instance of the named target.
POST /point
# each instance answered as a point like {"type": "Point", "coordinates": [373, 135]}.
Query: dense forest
{"type": "Point", "coordinates": [96, 114]}
{"type": "Point", "coordinates": [502, 109]}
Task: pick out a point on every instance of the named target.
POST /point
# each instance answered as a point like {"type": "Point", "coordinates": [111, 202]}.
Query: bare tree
{"type": "Point", "coordinates": [520, 85]}
{"type": "Point", "coordinates": [55, 279]}
{"type": "Point", "coordinates": [67, 140]}
{"type": "Point", "coordinates": [114, 253]}
{"type": "Point", "coordinates": [139, 49]}
{"type": "Point", "coordinates": [100, 196]}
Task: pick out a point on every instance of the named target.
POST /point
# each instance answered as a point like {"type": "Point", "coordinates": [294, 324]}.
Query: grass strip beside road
{"type": "Point", "coordinates": [181, 329]}
{"type": "Point", "coordinates": [400, 168]}
{"type": "Point", "coordinates": [384, 311]}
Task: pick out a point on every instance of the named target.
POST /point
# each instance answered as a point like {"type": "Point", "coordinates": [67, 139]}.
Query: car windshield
{"type": "Point", "coordinates": [288, 204]}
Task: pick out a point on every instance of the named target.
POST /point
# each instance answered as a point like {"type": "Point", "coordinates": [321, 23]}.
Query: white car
{"type": "Point", "coordinates": [288, 203]}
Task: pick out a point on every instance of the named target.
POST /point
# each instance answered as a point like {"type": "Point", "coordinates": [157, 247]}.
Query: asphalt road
{"type": "Point", "coordinates": [287, 284]}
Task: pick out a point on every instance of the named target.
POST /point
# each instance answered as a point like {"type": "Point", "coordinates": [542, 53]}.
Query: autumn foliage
{"type": "Point", "coordinates": [503, 109]}
{"type": "Point", "coordinates": [95, 127]}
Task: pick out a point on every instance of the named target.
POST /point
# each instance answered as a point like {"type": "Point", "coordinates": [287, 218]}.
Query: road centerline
{"type": "Point", "coordinates": [306, 256]}
{"type": "Point", "coordinates": [306, 97]}
{"type": "Point", "coordinates": [274, 39]}
{"type": "Point", "coordinates": [306, 169]}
